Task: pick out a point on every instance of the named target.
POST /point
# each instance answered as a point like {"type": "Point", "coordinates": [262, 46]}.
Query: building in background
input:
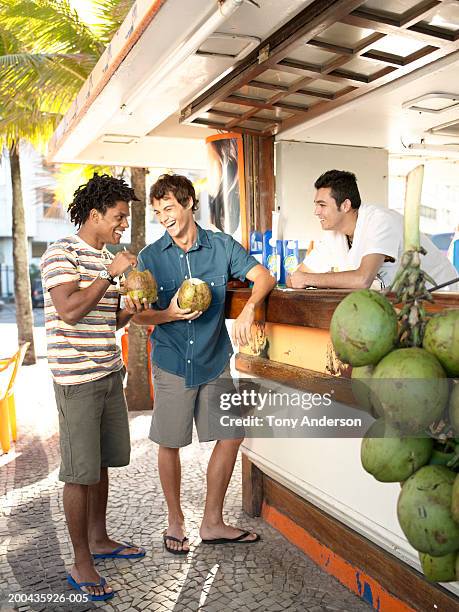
{"type": "Point", "coordinates": [46, 219]}
{"type": "Point", "coordinates": [439, 211]}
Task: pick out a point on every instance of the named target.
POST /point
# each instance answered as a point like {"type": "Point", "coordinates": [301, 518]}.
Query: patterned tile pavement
{"type": "Point", "coordinates": [35, 550]}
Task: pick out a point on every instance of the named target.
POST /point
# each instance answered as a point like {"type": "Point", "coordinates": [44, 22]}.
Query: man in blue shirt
{"type": "Point", "coordinates": [191, 353]}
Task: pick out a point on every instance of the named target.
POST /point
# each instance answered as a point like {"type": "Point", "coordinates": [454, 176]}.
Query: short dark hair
{"type": "Point", "coordinates": [100, 192]}
{"type": "Point", "coordinates": [180, 186]}
{"type": "Point", "coordinates": [343, 186]}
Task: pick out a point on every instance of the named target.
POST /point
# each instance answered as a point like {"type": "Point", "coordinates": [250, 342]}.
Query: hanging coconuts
{"type": "Point", "coordinates": [392, 458]}
{"type": "Point", "coordinates": [441, 338]}
{"type": "Point", "coordinates": [401, 360]}
{"type": "Point", "coordinates": [141, 286]}
{"type": "Point", "coordinates": [361, 388]}
{"type": "Point", "coordinates": [411, 387]}
{"type": "Point", "coordinates": [455, 500]}
{"type": "Point", "coordinates": [439, 569]}
{"type": "Point", "coordinates": [424, 511]}
{"type": "Point", "coordinates": [363, 328]}
{"type": "Point", "coordinates": [454, 410]}
{"type": "Point", "coordinates": [195, 294]}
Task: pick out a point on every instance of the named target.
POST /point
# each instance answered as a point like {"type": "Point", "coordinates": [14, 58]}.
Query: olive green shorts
{"type": "Point", "coordinates": [176, 406]}
{"type": "Point", "coordinates": [94, 428]}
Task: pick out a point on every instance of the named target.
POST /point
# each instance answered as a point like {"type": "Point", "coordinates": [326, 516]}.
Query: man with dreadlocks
{"type": "Point", "coordinates": [82, 313]}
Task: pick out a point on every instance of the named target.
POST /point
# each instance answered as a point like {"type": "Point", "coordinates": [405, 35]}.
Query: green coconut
{"type": "Point", "coordinates": [454, 409]}
{"type": "Point", "coordinates": [439, 569]}
{"type": "Point", "coordinates": [411, 387]}
{"type": "Point", "coordinates": [392, 458]}
{"type": "Point", "coordinates": [455, 500]}
{"type": "Point", "coordinates": [361, 389]}
{"type": "Point", "coordinates": [194, 293]}
{"type": "Point", "coordinates": [363, 328]}
{"type": "Point", "coordinates": [424, 511]}
{"type": "Point", "coordinates": [441, 337]}
{"type": "Point", "coordinates": [141, 285]}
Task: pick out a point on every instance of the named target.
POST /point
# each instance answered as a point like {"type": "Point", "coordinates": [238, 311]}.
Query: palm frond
{"type": "Point", "coordinates": [46, 53]}
{"type": "Point", "coordinates": [27, 124]}
{"type": "Point", "coordinates": [43, 62]}
{"type": "Point", "coordinates": [49, 24]}
{"type": "Point", "coordinates": [111, 14]}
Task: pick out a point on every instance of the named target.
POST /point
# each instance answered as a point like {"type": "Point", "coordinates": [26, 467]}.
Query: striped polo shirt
{"type": "Point", "coordinates": [87, 350]}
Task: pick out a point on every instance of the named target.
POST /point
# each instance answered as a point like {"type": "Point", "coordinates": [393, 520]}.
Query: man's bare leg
{"type": "Point", "coordinates": [170, 474]}
{"type": "Point", "coordinates": [99, 540]}
{"type": "Point", "coordinates": [219, 473]}
{"type": "Point", "coordinates": [76, 513]}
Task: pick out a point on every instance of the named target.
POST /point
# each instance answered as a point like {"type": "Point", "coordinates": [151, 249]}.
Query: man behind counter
{"type": "Point", "coordinates": [362, 243]}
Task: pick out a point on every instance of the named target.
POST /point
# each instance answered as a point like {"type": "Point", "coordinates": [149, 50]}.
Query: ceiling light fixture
{"type": "Point", "coordinates": [250, 43]}
{"type": "Point", "coordinates": [450, 128]}
{"type": "Point", "coordinates": [222, 12]}
{"type": "Point", "coordinates": [119, 139]}
{"type": "Point", "coordinates": [436, 102]}
{"type": "Point", "coordinates": [449, 147]}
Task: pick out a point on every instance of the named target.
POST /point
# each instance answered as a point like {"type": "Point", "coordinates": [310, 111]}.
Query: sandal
{"type": "Point", "coordinates": [172, 550]}
{"type": "Point", "coordinates": [238, 540]}
{"type": "Point", "coordinates": [79, 587]}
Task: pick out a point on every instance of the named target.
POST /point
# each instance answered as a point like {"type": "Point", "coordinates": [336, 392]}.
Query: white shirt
{"type": "Point", "coordinates": [378, 230]}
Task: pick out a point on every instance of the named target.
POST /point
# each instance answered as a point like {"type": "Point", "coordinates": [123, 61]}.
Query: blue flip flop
{"type": "Point", "coordinates": [78, 586]}
{"type": "Point", "coordinates": [116, 554]}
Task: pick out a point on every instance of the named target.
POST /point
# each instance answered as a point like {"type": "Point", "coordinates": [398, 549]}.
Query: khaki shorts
{"type": "Point", "coordinates": [176, 406]}
{"type": "Point", "coordinates": [94, 428]}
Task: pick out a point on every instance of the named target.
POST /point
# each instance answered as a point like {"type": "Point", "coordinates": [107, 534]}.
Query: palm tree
{"type": "Point", "coordinates": [138, 386]}
{"type": "Point", "coordinates": [20, 120]}
{"type": "Point", "coordinates": [46, 54]}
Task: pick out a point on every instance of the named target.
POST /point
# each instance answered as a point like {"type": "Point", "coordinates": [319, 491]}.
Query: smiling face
{"type": "Point", "coordinates": [325, 208]}
{"type": "Point", "coordinates": [111, 224]}
{"type": "Point", "coordinates": [177, 219]}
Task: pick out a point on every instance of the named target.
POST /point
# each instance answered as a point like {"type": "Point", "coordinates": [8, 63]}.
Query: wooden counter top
{"type": "Point", "coordinates": [310, 307]}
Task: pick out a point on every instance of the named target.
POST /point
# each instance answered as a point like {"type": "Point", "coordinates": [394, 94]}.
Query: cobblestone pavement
{"type": "Point", "coordinates": [35, 550]}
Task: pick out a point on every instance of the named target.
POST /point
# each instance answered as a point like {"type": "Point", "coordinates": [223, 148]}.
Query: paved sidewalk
{"type": "Point", "coordinates": [35, 550]}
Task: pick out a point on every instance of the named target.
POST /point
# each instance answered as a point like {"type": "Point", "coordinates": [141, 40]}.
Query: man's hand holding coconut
{"type": "Point", "coordinates": [181, 314]}
{"type": "Point", "coordinates": [141, 291]}
{"type": "Point", "coordinates": [191, 350]}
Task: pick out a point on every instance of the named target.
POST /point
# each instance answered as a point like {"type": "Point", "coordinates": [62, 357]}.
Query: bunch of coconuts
{"type": "Point", "coordinates": [406, 373]}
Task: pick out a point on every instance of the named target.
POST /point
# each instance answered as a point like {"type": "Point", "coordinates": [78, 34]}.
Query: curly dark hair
{"type": "Point", "coordinates": [100, 192]}
{"type": "Point", "coordinates": [180, 186]}
{"type": "Point", "coordinates": [343, 186]}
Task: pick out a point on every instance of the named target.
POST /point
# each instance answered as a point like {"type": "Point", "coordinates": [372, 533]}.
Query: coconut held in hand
{"type": "Point", "coordinates": [141, 286]}
{"type": "Point", "coordinates": [194, 294]}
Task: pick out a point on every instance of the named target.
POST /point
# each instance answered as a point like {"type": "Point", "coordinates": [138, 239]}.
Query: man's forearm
{"type": "Point", "coordinates": [261, 287]}
{"type": "Point", "coordinates": [351, 279]}
{"type": "Point", "coordinates": [79, 303]}
{"type": "Point", "coordinates": [122, 318]}
{"type": "Point", "coordinates": [152, 317]}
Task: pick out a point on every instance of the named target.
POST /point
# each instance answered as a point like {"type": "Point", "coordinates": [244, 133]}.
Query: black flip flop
{"type": "Point", "coordinates": [172, 550]}
{"type": "Point", "coordinates": [238, 540]}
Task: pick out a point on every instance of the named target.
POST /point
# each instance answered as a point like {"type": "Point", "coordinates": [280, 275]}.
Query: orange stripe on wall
{"type": "Point", "coordinates": [350, 576]}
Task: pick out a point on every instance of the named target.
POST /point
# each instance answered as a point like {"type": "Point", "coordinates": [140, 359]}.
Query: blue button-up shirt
{"type": "Point", "coordinates": [197, 350]}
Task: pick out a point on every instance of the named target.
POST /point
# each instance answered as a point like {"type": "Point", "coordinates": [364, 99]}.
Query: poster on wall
{"type": "Point", "coordinates": [225, 182]}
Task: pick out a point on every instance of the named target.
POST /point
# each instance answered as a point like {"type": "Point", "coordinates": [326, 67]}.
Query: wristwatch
{"type": "Point", "coordinates": [105, 275]}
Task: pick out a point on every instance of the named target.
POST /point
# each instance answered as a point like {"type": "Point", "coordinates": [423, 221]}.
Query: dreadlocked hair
{"type": "Point", "coordinates": [99, 193]}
